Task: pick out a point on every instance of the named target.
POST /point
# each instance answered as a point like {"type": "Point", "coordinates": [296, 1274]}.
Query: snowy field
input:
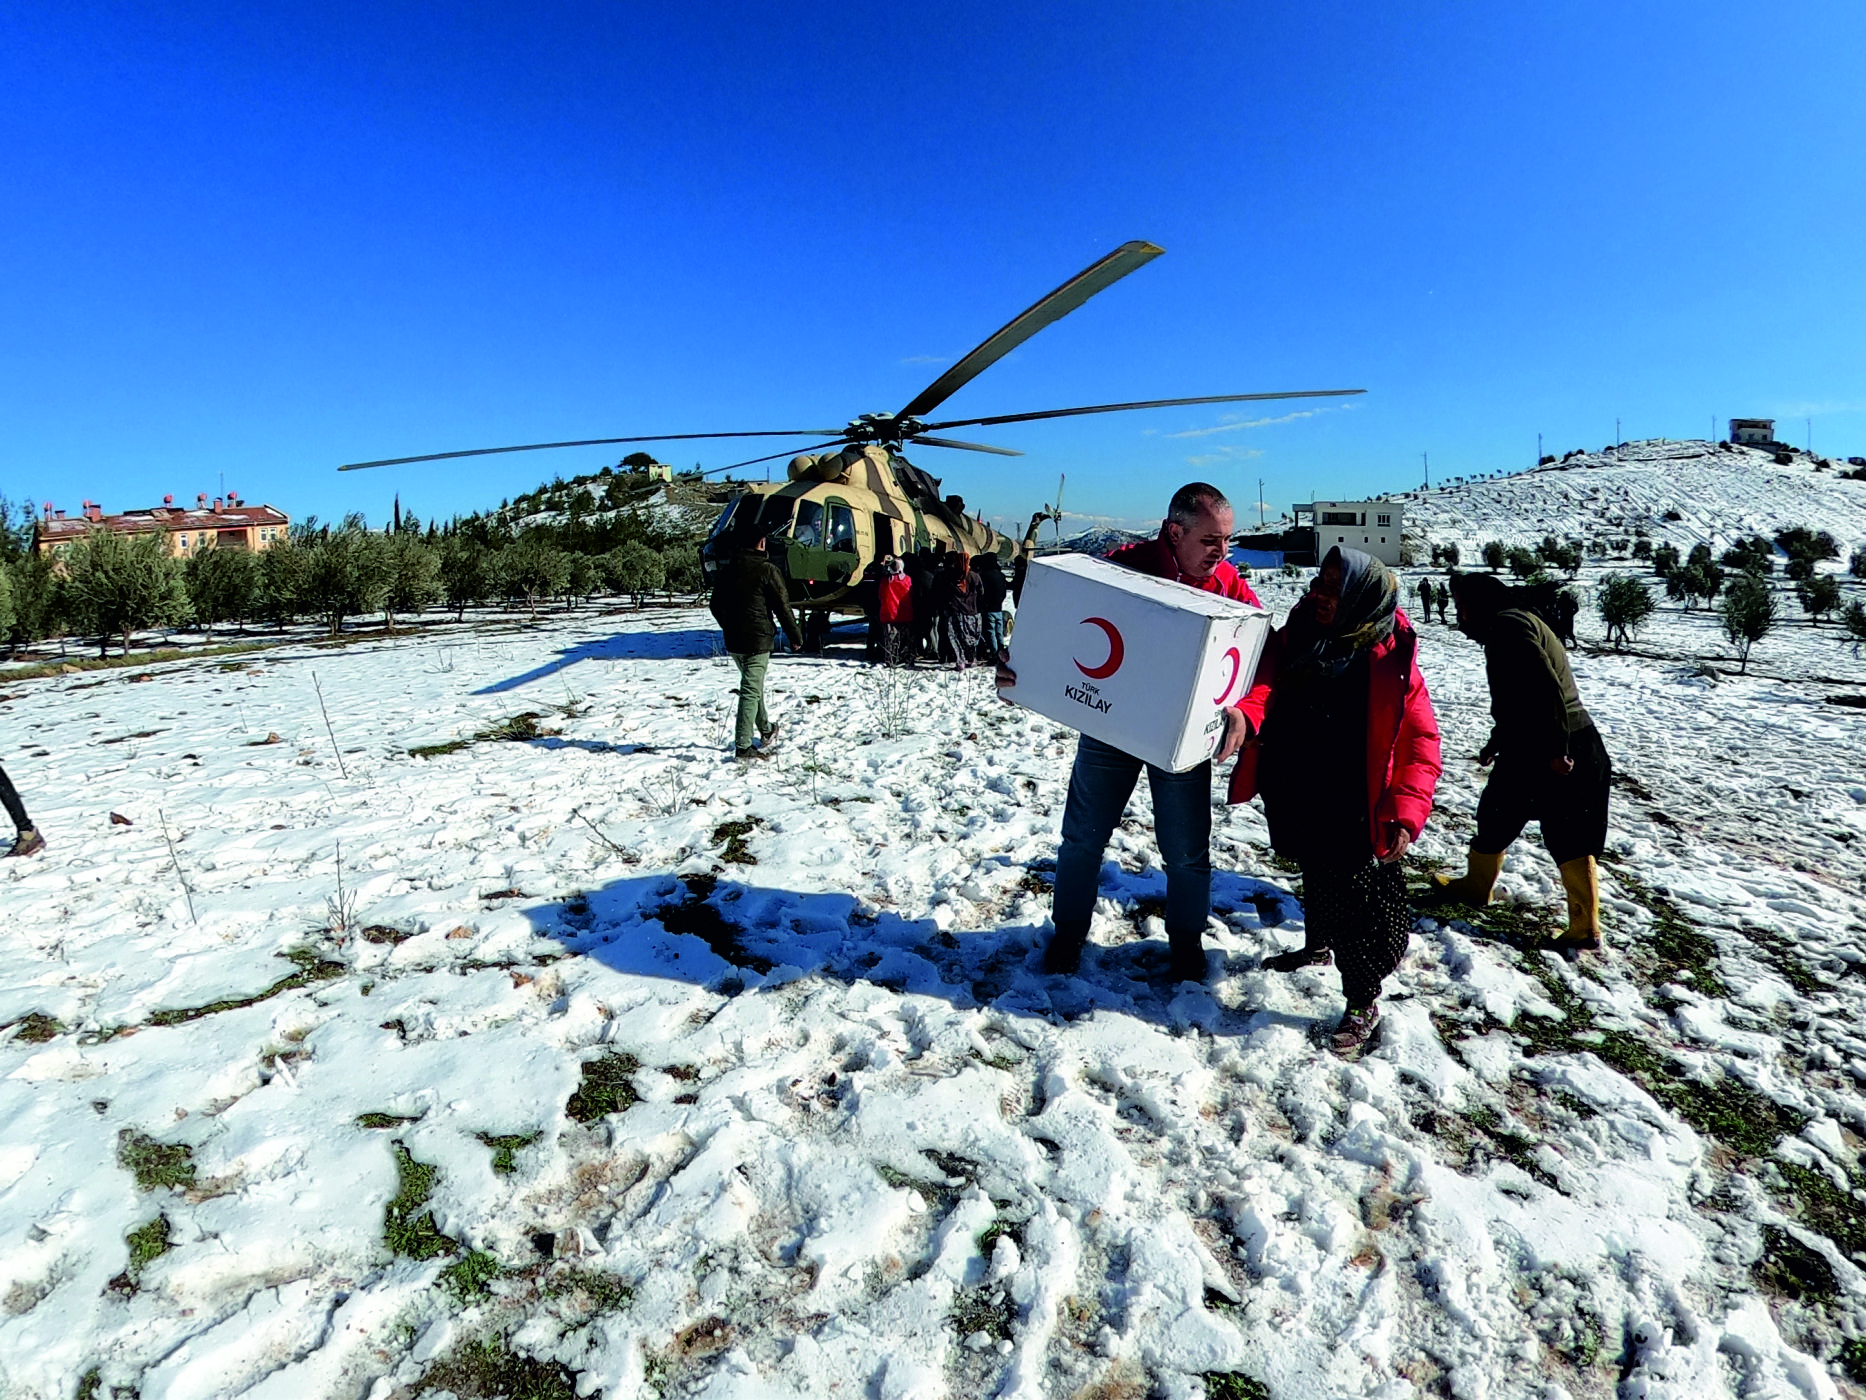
{"type": "Point", "coordinates": [577, 1059]}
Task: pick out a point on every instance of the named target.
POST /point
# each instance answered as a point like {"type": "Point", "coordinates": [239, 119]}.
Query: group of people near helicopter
{"type": "Point", "coordinates": [935, 607]}
{"type": "Point", "coordinates": [1337, 735]}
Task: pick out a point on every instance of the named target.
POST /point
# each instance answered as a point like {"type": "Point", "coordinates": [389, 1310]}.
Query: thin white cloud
{"type": "Point", "coordinates": [1225, 453]}
{"type": "Point", "coordinates": [1238, 425]}
{"type": "Point", "coordinates": [927, 360]}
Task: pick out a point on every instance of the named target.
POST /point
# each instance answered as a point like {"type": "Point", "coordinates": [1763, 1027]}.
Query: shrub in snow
{"type": "Point", "coordinates": [1522, 562]}
{"type": "Point", "coordinates": [1854, 620]}
{"type": "Point", "coordinates": [1748, 614]}
{"type": "Point", "coordinates": [1665, 559]}
{"type": "Point", "coordinates": [1493, 555]}
{"type": "Point", "coordinates": [1642, 548]}
{"type": "Point", "coordinates": [1857, 564]}
{"type": "Point", "coordinates": [1819, 596]}
{"type": "Point", "coordinates": [117, 584]}
{"type": "Point", "coordinates": [1624, 603]}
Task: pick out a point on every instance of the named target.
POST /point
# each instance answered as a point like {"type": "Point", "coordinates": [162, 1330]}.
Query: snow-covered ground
{"type": "Point", "coordinates": [588, 1061]}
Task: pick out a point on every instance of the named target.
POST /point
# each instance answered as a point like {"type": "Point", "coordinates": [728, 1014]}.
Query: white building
{"type": "Point", "coordinates": [1373, 527]}
{"type": "Point", "coordinates": [1757, 432]}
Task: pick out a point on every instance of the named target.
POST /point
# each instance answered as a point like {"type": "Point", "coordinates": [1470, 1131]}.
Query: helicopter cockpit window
{"type": "Point", "coordinates": [775, 516]}
{"type": "Point", "coordinates": [725, 518]}
{"type": "Point", "coordinates": [842, 529]}
{"type": "Point", "coordinates": [808, 530]}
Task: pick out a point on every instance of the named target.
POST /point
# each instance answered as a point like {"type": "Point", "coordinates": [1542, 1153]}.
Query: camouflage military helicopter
{"type": "Point", "coordinates": [840, 510]}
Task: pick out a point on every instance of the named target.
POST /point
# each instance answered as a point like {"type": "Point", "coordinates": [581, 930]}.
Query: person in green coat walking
{"type": "Point", "coordinates": [749, 593]}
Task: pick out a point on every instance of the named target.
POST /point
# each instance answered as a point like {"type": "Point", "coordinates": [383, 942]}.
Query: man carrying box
{"type": "Point", "coordinates": [1191, 548]}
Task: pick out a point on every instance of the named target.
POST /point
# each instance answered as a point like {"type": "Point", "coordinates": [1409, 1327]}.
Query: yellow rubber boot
{"type": "Point", "coordinates": [1474, 886]}
{"type": "Point", "coordinates": [1580, 879]}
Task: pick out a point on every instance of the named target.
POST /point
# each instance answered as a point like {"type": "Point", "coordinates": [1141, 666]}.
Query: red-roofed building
{"type": "Point", "coordinates": [222, 523]}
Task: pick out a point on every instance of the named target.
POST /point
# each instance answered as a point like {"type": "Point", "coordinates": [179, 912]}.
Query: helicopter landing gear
{"type": "Point", "coordinates": [815, 630]}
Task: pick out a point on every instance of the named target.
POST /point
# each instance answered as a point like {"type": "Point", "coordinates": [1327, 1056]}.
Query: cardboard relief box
{"type": "Point", "coordinates": [1141, 663]}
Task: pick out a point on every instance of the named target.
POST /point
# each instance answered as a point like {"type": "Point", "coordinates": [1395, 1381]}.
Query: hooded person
{"type": "Point", "coordinates": [1345, 753]}
{"type": "Point", "coordinates": [1551, 766]}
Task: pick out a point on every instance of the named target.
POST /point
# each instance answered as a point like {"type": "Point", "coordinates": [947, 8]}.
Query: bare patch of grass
{"type": "Point", "coordinates": [147, 1243]}
{"type": "Point", "coordinates": [488, 1368]}
{"type": "Point", "coordinates": [154, 1164]}
{"type": "Point", "coordinates": [606, 1088]}
{"type": "Point", "coordinates": [408, 1226]}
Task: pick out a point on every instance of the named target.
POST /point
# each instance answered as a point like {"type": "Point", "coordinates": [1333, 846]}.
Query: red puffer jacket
{"type": "Point", "coordinates": [1402, 734]}
{"type": "Point", "coordinates": [897, 602]}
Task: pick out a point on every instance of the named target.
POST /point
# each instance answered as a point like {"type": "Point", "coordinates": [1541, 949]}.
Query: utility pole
{"type": "Point", "coordinates": [1538, 449]}
{"type": "Point", "coordinates": [1260, 503]}
{"type": "Point", "coordinates": [1428, 470]}
{"type": "Point", "coordinates": [1617, 444]}
{"type": "Point", "coordinates": [1810, 437]}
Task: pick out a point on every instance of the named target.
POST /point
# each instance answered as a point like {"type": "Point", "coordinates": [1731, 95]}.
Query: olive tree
{"type": "Point", "coordinates": [1748, 614]}
{"type": "Point", "coordinates": [346, 573]}
{"type": "Point", "coordinates": [531, 567]}
{"type": "Point", "coordinates": [1819, 595]}
{"type": "Point", "coordinates": [1624, 603]}
{"type": "Point", "coordinates": [116, 584]}
{"type": "Point", "coordinates": [411, 575]}
{"type": "Point", "coordinates": [222, 585]}
{"type": "Point", "coordinates": [634, 568]}
{"type": "Point", "coordinates": [465, 573]}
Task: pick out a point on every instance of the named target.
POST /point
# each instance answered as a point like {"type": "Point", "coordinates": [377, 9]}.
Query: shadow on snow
{"type": "Point", "coordinates": [732, 937]}
{"type": "Point", "coordinates": [670, 644]}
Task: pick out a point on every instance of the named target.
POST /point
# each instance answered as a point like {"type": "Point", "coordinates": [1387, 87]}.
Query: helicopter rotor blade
{"type": "Point", "coordinates": [1020, 328]}
{"type": "Point", "coordinates": [1150, 403]}
{"type": "Point", "coordinates": [788, 452]}
{"type": "Point", "coordinates": [967, 446]}
{"type": "Point", "coordinates": [585, 442]}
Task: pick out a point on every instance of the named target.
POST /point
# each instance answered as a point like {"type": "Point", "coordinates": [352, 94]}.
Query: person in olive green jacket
{"type": "Point", "coordinates": [748, 593]}
{"type": "Point", "coordinates": [1551, 766]}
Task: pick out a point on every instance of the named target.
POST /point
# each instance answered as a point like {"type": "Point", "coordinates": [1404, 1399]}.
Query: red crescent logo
{"type": "Point", "coordinates": [1237, 664]}
{"type": "Point", "coordinates": [1117, 652]}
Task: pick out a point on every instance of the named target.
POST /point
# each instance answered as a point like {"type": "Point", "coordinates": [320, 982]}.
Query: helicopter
{"type": "Point", "coordinates": [853, 499]}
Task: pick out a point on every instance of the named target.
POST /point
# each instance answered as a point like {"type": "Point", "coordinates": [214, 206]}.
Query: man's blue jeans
{"type": "Point", "coordinates": [1099, 786]}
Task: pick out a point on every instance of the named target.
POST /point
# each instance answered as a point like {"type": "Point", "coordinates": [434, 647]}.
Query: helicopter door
{"type": "Point", "coordinates": [886, 541]}
{"type": "Point", "coordinates": [807, 561]}
{"type": "Point", "coordinates": [843, 553]}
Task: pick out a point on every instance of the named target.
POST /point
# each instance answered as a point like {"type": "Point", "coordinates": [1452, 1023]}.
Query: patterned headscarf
{"type": "Point", "coordinates": [1364, 618]}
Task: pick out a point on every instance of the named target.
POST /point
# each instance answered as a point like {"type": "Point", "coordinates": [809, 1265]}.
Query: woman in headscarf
{"type": "Point", "coordinates": [1346, 755]}
{"type": "Point", "coordinates": [960, 610]}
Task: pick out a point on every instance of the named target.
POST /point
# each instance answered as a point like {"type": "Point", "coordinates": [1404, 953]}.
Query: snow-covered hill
{"type": "Point", "coordinates": [449, 1014]}
{"type": "Point", "coordinates": [1684, 493]}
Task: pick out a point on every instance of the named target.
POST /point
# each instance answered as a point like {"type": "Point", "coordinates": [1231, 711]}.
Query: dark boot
{"type": "Point", "coordinates": [1186, 960]}
{"type": "Point", "coordinates": [1063, 954]}
{"type": "Point", "coordinates": [1298, 958]}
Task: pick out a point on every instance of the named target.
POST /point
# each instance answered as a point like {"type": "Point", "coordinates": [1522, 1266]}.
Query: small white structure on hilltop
{"type": "Point", "coordinates": [659, 471]}
{"type": "Point", "coordinates": [1752, 432]}
{"type": "Point", "coordinates": [1373, 527]}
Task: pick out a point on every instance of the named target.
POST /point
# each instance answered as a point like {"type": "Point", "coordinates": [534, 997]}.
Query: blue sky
{"type": "Point", "coordinates": [243, 244]}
